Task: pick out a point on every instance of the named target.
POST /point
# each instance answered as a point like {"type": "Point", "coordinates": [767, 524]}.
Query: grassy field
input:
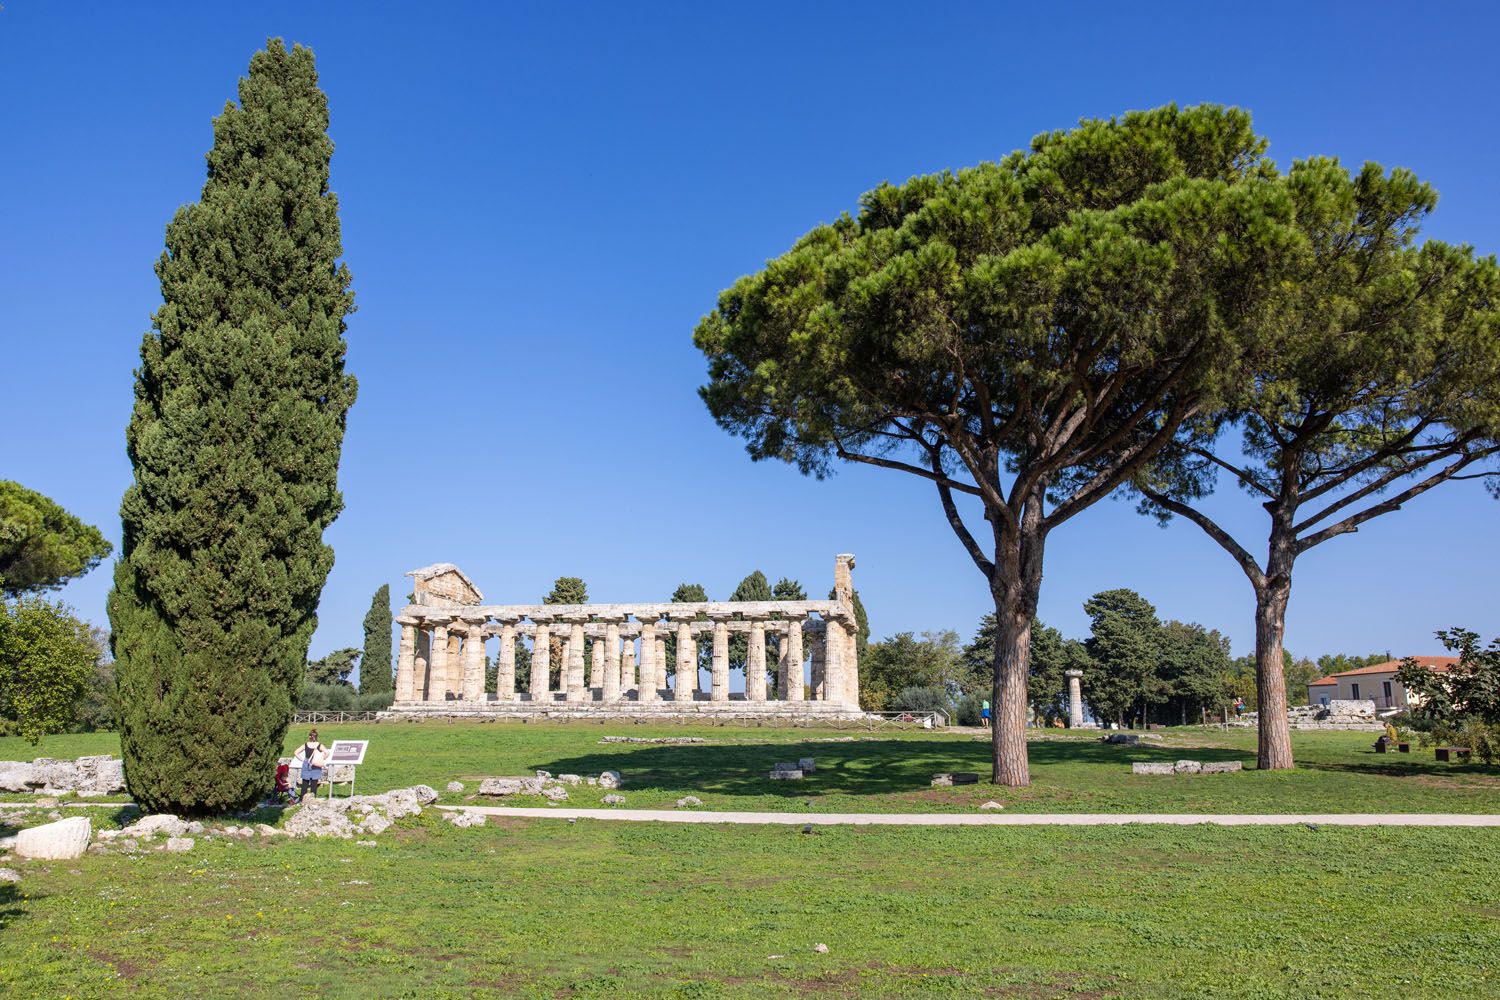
{"type": "Point", "coordinates": [1337, 772]}
{"type": "Point", "coordinates": [551, 909]}
{"type": "Point", "coordinates": [591, 909]}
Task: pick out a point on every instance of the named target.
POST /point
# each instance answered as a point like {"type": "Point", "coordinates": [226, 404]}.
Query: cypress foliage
{"type": "Point", "coordinates": [241, 401]}
{"type": "Point", "coordinates": [375, 665]}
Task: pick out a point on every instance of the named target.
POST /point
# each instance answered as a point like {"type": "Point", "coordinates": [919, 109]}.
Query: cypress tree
{"type": "Point", "coordinates": [241, 402]}
{"type": "Point", "coordinates": [375, 665]}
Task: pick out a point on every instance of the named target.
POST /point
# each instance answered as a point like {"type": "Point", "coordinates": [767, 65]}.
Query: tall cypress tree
{"type": "Point", "coordinates": [375, 664]}
{"type": "Point", "coordinates": [241, 401]}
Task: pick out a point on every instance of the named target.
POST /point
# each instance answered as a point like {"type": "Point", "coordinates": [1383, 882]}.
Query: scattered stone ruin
{"type": "Point", "coordinates": [440, 666]}
{"type": "Point", "coordinates": [1357, 716]}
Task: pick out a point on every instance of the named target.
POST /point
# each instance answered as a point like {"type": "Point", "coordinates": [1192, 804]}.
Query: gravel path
{"type": "Point", "coordinates": [991, 818]}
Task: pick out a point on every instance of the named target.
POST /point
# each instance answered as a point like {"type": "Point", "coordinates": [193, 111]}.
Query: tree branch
{"type": "Point", "coordinates": [986, 566]}
{"type": "Point", "coordinates": [1353, 521]}
{"type": "Point", "coordinates": [1226, 541]}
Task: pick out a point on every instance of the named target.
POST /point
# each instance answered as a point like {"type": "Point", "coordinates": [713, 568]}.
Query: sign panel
{"type": "Point", "coordinates": [348, 751]}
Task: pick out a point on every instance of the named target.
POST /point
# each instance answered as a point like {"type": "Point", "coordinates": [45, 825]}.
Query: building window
{"type": "Point", "coordinates": [1354, 691]}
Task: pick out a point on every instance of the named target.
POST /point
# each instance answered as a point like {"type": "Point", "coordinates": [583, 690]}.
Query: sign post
{"type": "Point", "coordinates": [347, 753]}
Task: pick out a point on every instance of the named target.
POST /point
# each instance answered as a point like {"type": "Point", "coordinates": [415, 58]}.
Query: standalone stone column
{"type": "Point", "coordinates": [406, 656]}
{"type": "Point", "coordinates": [437, 682]}
{"type": "Point", "coordinates": [755, 663]}
{"type": "Point", "coordinates": [792, 662]}
{"type": "Point", "coordinates": [473, 689]}
{"type": "Point", "coordinates": [505, 663]}
{"type": "Point", "coordinates": [719, 678]}
{"type": "Point", "coordinates": [649, 679]}
{"type": "Point", "coordinates": [687, 664]}
{"type": "Point", "coordinates": [833, 661]}
{"type": "Point", "coordinates": [610, 686]}
{"type": "Point", "coordinates": [1075, 697]}
{"type": "Point", "coordinates": [627, 667]}
{"type": "Point", "coordinates": [596, 664]}
{"type": "Point", "coordinates": [576, 645]}
{"type": "Point", "coordinates": [541, 662]}
{"type": "Point", "coordinates": [819, 670]}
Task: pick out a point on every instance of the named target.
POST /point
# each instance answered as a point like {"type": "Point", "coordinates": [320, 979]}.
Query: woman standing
{"type": "Point", "coordinates": [312, 756]}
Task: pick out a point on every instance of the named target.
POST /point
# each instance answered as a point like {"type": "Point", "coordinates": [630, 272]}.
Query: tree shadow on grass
{"type": "Point", "coordinates": [10, 904]}
{"type": "Point", "coordinates": [1390, 766]}
{"type": "Point", "coordinates": [859, 768]}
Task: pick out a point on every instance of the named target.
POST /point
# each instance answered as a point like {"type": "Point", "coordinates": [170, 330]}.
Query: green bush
{"type": "Point", "coordinates": [967, 713]}
{"type": "Point", "coordinates": [922, 698]}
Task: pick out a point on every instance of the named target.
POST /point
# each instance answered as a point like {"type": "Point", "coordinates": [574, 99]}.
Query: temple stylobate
{"type": "Point", "coordinates": [612, 659]}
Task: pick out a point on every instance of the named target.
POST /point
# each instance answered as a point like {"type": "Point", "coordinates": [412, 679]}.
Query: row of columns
{"type": "Point", "coordinates": [439, 661]}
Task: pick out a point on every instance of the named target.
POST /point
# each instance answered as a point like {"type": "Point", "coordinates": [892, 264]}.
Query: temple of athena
{"type": "Point", "coordinates": [612, 658]}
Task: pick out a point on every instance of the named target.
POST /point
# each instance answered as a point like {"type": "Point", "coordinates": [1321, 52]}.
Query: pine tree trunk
{"type": "Point", "coordinates": [1015, 586]}
{"type": "Point", "coordinates": [1275, 735]}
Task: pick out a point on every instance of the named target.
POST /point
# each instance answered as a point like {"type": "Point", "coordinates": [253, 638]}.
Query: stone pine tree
{"type": "Point", "coordinates": [42, 546]}
{"type": "Point", "coordinates": [240, 406]}
{"type": "Point", "coordinates": [1378, 380]}
{"type": "Point", "coordinates": [375, 664]}
{"type": "Point", "coordinates": [1026, 334]}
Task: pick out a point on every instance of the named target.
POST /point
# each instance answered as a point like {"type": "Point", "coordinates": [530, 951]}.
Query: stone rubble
{"type": "Point", "coordinates": [455, 786]}
{"type": "Point", "coordinates": [610, 779]}
{"type": "Point", "coordinates": [555, 793]}
{"type": "Point", "coordinates": [179, 845]}
{"type": "Point", "coordinates": [464, 819]}
{"type": "Point", "coordinates": [653, 739]}
{"type": "Point", "coordinates": [807, 765]}
{"type": "Point", "coordinates": [9, 875]}
{"type": "Point", "coordinates": [992, 804]}
{"type": "Point", "coordinates": [786, 772]}
{"type": "Point", "coordinates": [689, 800]}
{"type": "Point", "coordinates": [613, 800]}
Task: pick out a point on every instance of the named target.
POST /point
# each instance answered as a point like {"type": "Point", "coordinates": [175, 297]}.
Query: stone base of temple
{"type": "Point", "coordinates": [710, 712]}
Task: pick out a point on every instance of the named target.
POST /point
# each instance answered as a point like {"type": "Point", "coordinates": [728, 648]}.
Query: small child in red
{"type": "Point", "coordinates": [283, 783]}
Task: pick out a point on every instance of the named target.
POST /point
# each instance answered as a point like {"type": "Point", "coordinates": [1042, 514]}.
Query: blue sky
{"type": "Point", "coordinates": [540, 201]}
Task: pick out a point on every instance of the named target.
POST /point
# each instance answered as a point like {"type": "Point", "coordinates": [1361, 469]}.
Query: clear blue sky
{"type": "Point", "coordinates": [539, 202]}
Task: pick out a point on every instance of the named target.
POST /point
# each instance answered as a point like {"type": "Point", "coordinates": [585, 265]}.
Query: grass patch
{"type": "Point", "coordinates": [551, 909]}
{"type": "Point", "coordinates": [1337, 772]}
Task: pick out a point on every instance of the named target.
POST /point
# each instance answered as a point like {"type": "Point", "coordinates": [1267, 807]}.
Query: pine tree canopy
{"type": "Point", "coordinates": [240, 406]}
{"type": "Point", "coordinates": [42, 546]}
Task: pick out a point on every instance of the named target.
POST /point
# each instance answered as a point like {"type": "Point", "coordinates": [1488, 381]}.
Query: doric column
{"type": "Point", "coordinates": [719, 680]}
{"type": "Point", "coordinates": [851, 662]}
{"type": "Point", "coordinates": [505, 663]}
{"type": "Point", "coordinates": [687, 664]}
{"type": "Point", "coordinates": [611, 681]}
{"type": "Point", "coordinates": [819, 671]}
{"type": "Point", "coordinates": [649, 678]}
{"type": "Point", "coordinates": [1075, 697]}
{"type": "Point", "coordinates": [596, 663]}
{"type": "Point", "coordinates": [661, 661]}
{"type": "Point", "coordinates": [627, 666]}
{"type": "Point", "coordinates": [473, 682]}
{"type": "Point", "coordinates": [437, 681]}
{"type": "Point", "coordinates": [833, 661]}
{"type": "Point", "coordinates": [755, 662]}
{"type": "Point", "coordinates": [421, 666]}
{"type": "Point", "coordinates": [541, 660]}
{"type": "Point", "coordinates": [455, 686]}
{"type": "Point", "coordinates": [406, 656]}
{"type": "Point", "coordinates": [782, 666]}
{"type": "Point", "coordinates": [792, 662]}
{"type": "Point", "coordinates": [576, 642]}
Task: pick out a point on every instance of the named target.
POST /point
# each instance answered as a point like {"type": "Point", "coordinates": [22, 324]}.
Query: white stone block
{"type": "Point", "coordinates": [61, 841]}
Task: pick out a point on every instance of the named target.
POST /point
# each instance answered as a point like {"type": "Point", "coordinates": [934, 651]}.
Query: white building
{"type": "Point", "coordinates": [1376, 683]}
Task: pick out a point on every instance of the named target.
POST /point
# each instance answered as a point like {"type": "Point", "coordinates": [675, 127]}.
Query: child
{"type": "Point", "coordinates": [283, 792]}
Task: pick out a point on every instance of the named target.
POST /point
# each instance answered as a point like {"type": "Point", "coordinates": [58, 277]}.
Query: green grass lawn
{"type": "Point", "coordinates": [592, 909]}
{"type": "Point", "coordinates": [1337, 772]}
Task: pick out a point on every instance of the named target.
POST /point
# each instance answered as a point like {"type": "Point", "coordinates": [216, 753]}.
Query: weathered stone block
{"type": "Point", "coordinates": [1187, 767]}
{"type": "Point", "coordinates": [1151, 768]}
{"type": "Point", "coordinates": [786, 774]}
{"type": "Point", "coordinates": [61, 841]}
{"type": "Point", "coordinates": [455, 786]}
{"type": "Point", "coordinates": [807, 765]}
{"type": "Point", "coordinates": [1223, 767]}
{"type": "Point", "coordinates": [610, 779]}
{"type": "Point", "coordinates": [613, 800]}
{"type": "Point", "coordinates": [555, 793]}
{"type": "Point", "coordinates": [179, 845]}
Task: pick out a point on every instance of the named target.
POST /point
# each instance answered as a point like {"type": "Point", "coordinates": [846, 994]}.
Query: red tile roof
{"type": "Point", "coordinates": [1323, 681]}
{"type": "Point", "coordinates": [1438, 663]}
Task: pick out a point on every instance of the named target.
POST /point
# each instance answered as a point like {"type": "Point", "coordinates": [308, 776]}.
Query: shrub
{"type": "Point", "coordinates": [922, 698]}
{"type": "Point", "coordinates": [967, 713]}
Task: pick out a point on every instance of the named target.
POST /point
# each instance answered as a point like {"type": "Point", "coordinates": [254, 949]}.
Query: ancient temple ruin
{"type": "Point", "coordinates": [613, 657]}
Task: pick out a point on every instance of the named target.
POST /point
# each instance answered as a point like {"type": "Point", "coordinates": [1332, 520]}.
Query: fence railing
{"type": "Point", "coordinates": [301, 718]}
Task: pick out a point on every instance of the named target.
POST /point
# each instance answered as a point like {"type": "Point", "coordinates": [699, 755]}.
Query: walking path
{"type": "Point", "coordinates": [990, 818]}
